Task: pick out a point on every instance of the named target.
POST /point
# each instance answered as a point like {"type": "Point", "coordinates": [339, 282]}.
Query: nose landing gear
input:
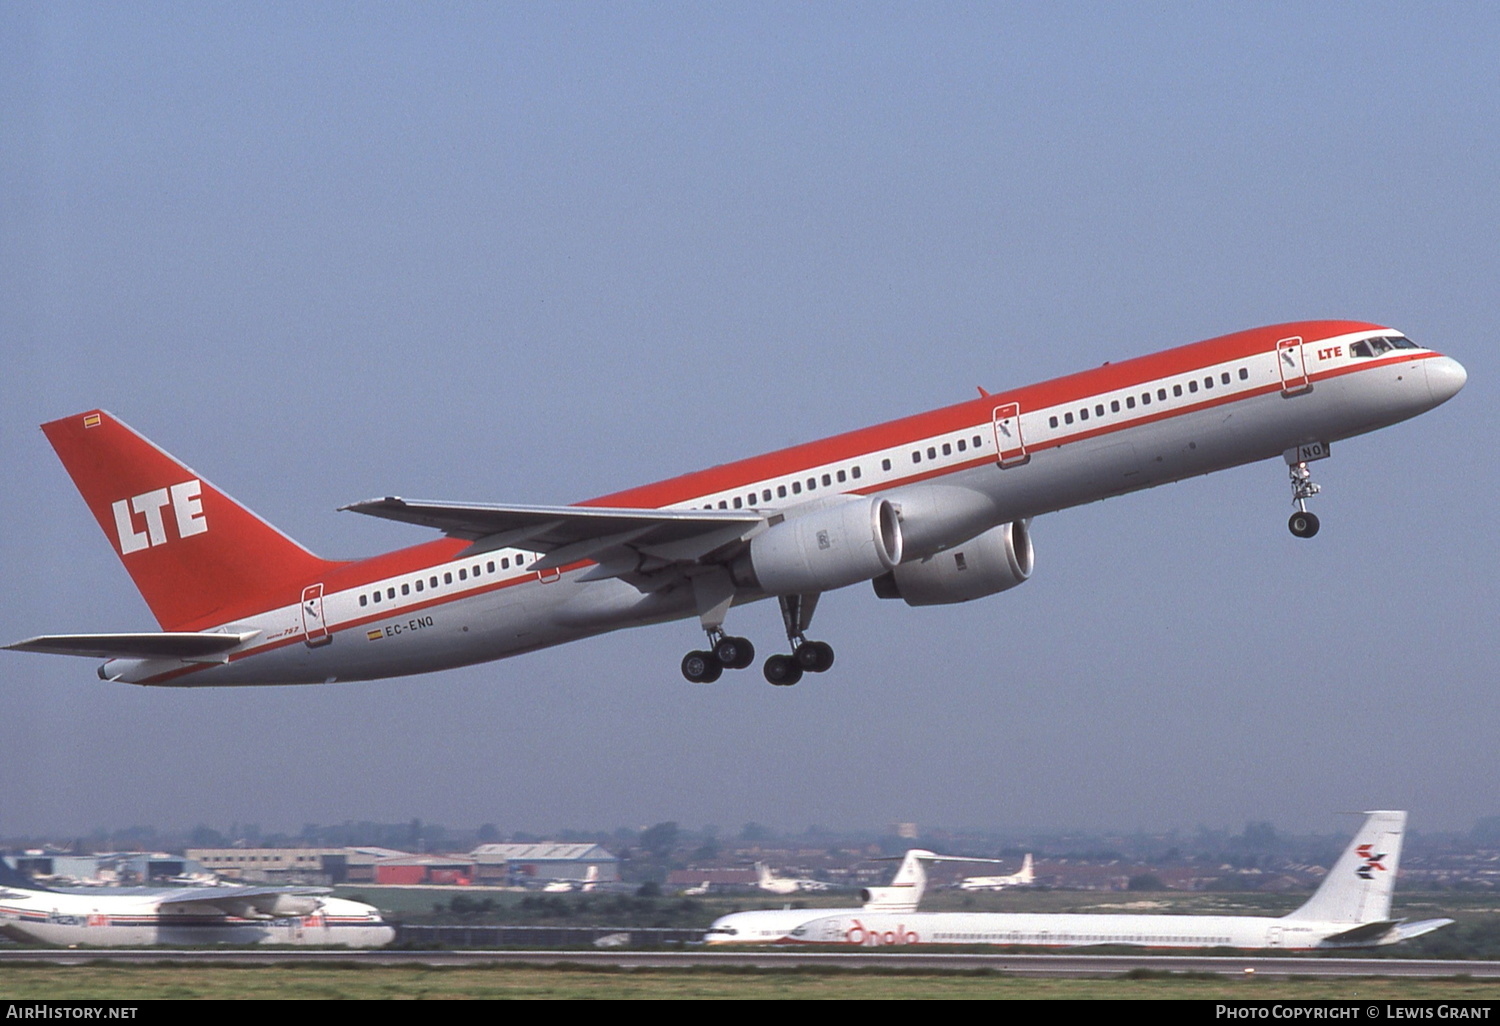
{"type": "Point", "coordinates": [1302, 523]}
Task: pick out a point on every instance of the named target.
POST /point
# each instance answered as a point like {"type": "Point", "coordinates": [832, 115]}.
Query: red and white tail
{"type": "Point", "coordinates": [198, 557]}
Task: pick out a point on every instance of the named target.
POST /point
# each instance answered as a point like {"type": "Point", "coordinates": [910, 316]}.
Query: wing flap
{"type": "Point", "coordinates": [159, 645]}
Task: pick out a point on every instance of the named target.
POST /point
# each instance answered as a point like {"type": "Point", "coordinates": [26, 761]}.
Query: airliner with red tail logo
{"type": "Point", "coordinates": [934, 508]}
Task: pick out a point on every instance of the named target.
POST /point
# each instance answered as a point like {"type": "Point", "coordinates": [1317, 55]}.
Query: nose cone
{"type": "Point", "coordinates": [1445, 376]}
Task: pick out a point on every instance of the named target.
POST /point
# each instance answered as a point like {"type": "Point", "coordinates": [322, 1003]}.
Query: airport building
{"type": "Point", "coordinates": [539, 863]}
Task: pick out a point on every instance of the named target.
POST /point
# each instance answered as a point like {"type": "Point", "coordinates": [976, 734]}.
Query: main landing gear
{"type": "Point", "coordinates": [726, 652]}
{"type": "Point", "coordinates": [1302, 523]}
{"type": "Point", "coordinates": [807, 656]}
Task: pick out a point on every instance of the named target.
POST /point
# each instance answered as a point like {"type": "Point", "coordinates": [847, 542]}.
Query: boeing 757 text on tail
{"type": "Point", "coordinates": [935, 508]}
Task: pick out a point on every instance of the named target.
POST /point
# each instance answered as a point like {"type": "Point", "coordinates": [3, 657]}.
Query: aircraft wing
{"type": "Point", "coordinates": [570, 533]}
{"type": "Point", "coordinates": [248, 902]}
{"type": "Point", "coordinates": [190, 645]}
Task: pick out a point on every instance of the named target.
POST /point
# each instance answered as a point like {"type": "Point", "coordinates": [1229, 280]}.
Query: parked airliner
{"type": "Point", "coordinates": [128, 917]}
{"type": "Point", "coordinates": [1023, 877]}
{"type": "Point", "coordinates": [1350, 909]}
{"type": "Point", "coordinates": [771, 926]}
{"type": "Point", "coordinates": [934, 508]}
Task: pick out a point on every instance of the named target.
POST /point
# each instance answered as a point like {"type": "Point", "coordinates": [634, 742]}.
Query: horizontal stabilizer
{"type": "Point", "coordinates": [1406, 931]}
{"type": "Point", "coordinates": [168, 645]}
{"type": "Point", "coordinates": [1364, 933]}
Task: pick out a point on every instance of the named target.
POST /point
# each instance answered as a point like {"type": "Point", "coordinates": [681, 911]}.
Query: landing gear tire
{"type": "Point", "coordinates": [701, 667]}
{"type": "Point", "coordinates": [815, 656]}
{"type": "Point", "coordinates": [734, 653]}
{"type": "Point", "coordinates": [1303, 524]}
{"type": "Point", "coordinates": [783, 670]}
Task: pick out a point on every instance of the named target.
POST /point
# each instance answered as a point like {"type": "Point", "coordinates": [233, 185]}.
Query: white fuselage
{"type": "Point", "coordinates": [106, 917]}
{"type": "Point", "coordinates": [954, 473]}
{"type": "Point", "coordinates": [857, 929]}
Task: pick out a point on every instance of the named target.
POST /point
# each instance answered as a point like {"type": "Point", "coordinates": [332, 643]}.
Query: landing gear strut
{"type": "Point", "coordinates": [1302, 523]}
{"type": "Point", "coordinates": [807, 656]}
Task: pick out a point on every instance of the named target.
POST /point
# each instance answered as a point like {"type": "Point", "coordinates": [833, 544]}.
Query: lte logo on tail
{"type": "Point", "coordinates": [186, 506]}
{"type": "Point", "coordinates": [1372, 861]}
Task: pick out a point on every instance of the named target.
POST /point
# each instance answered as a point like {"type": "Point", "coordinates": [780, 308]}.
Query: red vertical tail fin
{"type": "Point", "coordinates": [198, 557]}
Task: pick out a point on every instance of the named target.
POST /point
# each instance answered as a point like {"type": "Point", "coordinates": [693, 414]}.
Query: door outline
{"type": "Point", "coordinates": [1292, 364]}
{"type": "Point", "coordinates": [314, 627]}
{"type": "Point", "coordinates": [1009, 445]}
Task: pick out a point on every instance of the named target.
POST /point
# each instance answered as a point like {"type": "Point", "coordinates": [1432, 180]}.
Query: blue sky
{"type": "Point", "coordinates": [535, 253]}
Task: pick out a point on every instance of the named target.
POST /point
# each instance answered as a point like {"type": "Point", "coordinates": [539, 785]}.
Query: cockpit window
{"type": "Point", "coordinates": [1360, 348]}
{"type": "Point", "coordinates": [1401, 342]}
{"type": "Point", "coordinates": [1380, 345]}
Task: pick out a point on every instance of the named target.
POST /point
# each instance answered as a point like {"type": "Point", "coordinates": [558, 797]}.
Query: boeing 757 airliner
{"type": "Point", "coordinates": [934, 508]}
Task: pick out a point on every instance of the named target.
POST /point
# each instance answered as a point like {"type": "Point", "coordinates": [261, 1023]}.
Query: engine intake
{"type": "Point", "coordinates": [992, 562]}
{"type": "Point", "coordinates": [825, 549]}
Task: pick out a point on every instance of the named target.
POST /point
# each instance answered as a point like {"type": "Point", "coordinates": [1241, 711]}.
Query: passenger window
{"type": "Point", "coordinates": [931, 452]}
{"type": "Point", "coordinates": [812, 484]}
{"type": "Point", "coordinates": [827, 480]}
{"type": "Point", "coordinates": [781, 491]}
{"type": "Point", "coordinates": [738, 502]}
{"type": "Point", "coordinates": [1208, 382]}
{"type": "Point", "coordinates": [977, 442]}
{"type": "Point", "coordinates": [1083, 414]}
{"type": "Point", "coordinates": [854, 472]}
{"type": "Point", "coordinates": [1130, 402]}
{"type": "Point", "coordinates": [796, 487]}
{"type": "Point", "coordinates": [433, 581]}
{"type": "Point", "coordinates": [489, 568]}
{"type": "Point", "coordinates": [842, 477]}
{"type": "Point", "coordinates": [364, 600]}
{"type": "Point", "coordinates": [406, 589]}
{"type": "Point", "coordinates": [1099, 410]}
{"type": "Point", "coordinates": [1052, 421]}
{"type": "Point", "coordinates": [884, 465]}
{"type": "Point", "coordinates": [376, 596]}
{"type": "Point", "coordinates": [448, 578]}
{"type": "Point", "coordinates": [765, 496]}
{"type": "Point", "coordinates": [947, 449]}
{"type": "Point", "coordinates": [723, 504]}
{"type": "Point", "coordinates": [962, 444]}
{"type": "Point", "coordinates": [1176, 389]}
{"type": "Point", "coordinates": [1145, 398]}
{"type": "Point", "coordinates": [1114, 406]}
{"type": "Point", "coordinates": [1068, 418]}
{"type": "Point", "coordinates": [1192, 386]}
{"type": "Point", "coordinates": [419, 584]}
{"type": "Point", "coordinates": [390, 593]}
{"type": "Point", "coordinates": [1244, 374]}
{"type": "Point", "coordinates": [1224, 378]}
{"type": "Point", "coordinates": [916, 457]}
{"type": "Point", "coordinates": [463, 574]}
{"type": "Point", "coordinates": [476, 570]}
{"type": "Point", "coordinates": [1161, 393]}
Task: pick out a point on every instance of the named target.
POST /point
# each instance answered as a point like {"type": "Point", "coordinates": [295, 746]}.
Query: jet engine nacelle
{"type": "Point", "coordinates": [271, 906]}
{"type": "Point", "coordinates": [992, 562]}
{"type": "Point", "coordinates": [825, 549]}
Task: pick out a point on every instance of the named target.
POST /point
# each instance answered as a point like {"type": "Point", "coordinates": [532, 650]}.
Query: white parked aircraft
{"type": "Point", "coordinates": [588, 883]}
{"type": "Point", "coordinates": [1021, 878]}
{"type": "Point", "coordinates": [934, 508]}
{"type": "Point", "coordinates": [1350, 909]}
{"type": "Point", "coordinates": [769, 926]}
{"type": "Point", "coordinates": [190, 916]}
{"type": "Point", "coordinates": [770, 882]}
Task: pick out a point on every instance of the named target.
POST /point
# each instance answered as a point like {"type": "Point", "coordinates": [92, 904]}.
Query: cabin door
{"type": "Point", "coordinates": [314, 629]}
{"type": "Point", "coordinates": [1008, 441]}
{"type": "Point", "coordinates": [1289, 359]}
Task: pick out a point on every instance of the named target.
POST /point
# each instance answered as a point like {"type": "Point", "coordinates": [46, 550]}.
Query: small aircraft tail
{"type": "Point", "coordinates": [1027, 875]}
{"type": "Point", "coordinates": [198, 558]}
{"type": "Point", "coordinates": [1358, 887]}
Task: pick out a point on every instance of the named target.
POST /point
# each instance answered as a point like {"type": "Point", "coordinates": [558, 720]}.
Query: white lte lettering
{"type": "Point", "coordinates": [187, 506]}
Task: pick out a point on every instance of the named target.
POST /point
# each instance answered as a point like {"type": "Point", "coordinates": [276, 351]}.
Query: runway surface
{"type": "Point", "coordinates": [1020, 965]}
